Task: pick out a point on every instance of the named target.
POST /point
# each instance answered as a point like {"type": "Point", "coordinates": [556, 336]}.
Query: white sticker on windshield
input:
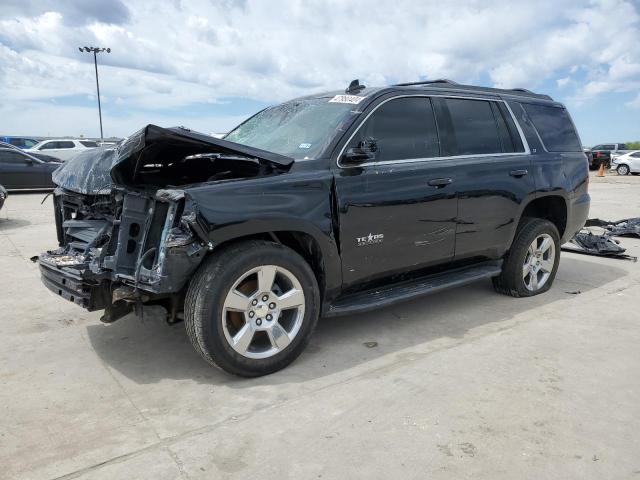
{"type": "Point", "coordinates": [355, 99]}
{"type": "Point", "coordinates": [304, 145]}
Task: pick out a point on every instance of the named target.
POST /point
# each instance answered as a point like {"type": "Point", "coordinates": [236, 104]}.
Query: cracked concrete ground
{"type": "Point", "coordinates": [464, 384]}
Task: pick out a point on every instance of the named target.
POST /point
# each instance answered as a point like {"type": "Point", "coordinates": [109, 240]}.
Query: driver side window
{"type": "Point", "coordinates": [400, 129]}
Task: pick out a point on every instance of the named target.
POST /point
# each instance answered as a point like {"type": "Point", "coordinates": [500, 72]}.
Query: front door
{"type": "Point", "coordinates": [397, 212]}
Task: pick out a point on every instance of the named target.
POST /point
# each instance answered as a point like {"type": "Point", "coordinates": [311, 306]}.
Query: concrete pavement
{"type": "Point", "coordinates": [464, 384]}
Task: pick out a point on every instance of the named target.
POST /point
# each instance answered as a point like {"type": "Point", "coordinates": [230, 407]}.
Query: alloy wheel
{"type": "Point", "coordinates": [263, 311]}
{"type": "Point", "coordinates": [538, 262]}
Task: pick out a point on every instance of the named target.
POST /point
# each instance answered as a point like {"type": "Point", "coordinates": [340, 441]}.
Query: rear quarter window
{"type": "Point", "coordinates": [554, 127]}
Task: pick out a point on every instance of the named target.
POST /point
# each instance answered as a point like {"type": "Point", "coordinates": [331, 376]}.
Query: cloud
{"type": "Point", "coordinates": [75, 12]}
{"type": "Point", "coordinates": [183, 55]}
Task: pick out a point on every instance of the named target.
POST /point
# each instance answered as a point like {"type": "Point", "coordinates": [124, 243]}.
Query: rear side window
{"type": "Point", "coordinates": [554, 127]}
{"type": "Point", "coordinates": [403, 128]}
{"type": "Point", "coordinates": [475, 128]}
{"type": "Point", "coordinates": [88, 144]}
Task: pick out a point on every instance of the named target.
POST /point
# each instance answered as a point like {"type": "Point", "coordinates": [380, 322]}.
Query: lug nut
{"type": "Point", "coordinates": [251, 314]}
{"type": "Point", "coordinates": [255, 302]}
{"type": "Point", "coordinates": [269, 317]}
{"type": "Point", "coordinates": [272, 305]}
{"type": "Point", "coordinates": [265, 298]}
{"type": "Point", "coordinates": [258, 322]}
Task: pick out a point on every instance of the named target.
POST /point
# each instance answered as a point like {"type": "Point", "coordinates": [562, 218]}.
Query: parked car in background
{"type": "Point", "coordinates": [19, 170]}
{"type": "Point", "coordinates": [604, 152]}
{"type": "Point", "coordinates": [3, 196]}
{"type": "Point", "coordinates": [20, 142]}
{"type": "Point", "coordinates": [627, 163]}
{"type": "Point", "coordinates": [64, 148]}
{"type": "Point", "coordinates": [45, 158]}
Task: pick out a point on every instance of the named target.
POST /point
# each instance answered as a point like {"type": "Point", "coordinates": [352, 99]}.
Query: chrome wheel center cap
{"type": "Point", "coordinates": [261, 310]}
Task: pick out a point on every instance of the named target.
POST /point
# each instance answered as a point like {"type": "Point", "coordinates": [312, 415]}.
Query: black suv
{"type": "Point", "coordinates": [325, 205]}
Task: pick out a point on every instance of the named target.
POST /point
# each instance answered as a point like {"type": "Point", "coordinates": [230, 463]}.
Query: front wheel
{"type": "Point", "coordinates": [252, 307]}
{"type": "Point", "coordinates": [532, 262]}
{"type": "Point", "coordinates": [623, 170]}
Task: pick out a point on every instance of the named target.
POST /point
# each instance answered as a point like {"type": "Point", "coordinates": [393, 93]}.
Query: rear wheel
{"type": "Point", "coordinates": [532, 262]}
{"type": "Point", "coordinates": [623, 169]}
{"type": "Point", "coordinates": [251, 308]}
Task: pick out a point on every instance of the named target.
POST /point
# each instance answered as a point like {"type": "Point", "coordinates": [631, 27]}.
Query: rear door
{"type": "Point", "coordinates": [396, 212]}
{"type": "Point", "coordinates": [493, 176]}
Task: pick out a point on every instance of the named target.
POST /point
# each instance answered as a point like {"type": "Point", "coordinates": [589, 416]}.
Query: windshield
{"type": "Point", "coordinates": [299, 129]}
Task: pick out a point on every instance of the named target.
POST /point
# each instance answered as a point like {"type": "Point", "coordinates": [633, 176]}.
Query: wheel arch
{"type": "Point", "coordinates": [549, 207]}
{"type": "Point", "coordinates": [316, 249]}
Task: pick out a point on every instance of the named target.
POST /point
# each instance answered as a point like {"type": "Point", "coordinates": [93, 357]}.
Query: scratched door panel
{"type": "Point", "coordinates": [392, 221]}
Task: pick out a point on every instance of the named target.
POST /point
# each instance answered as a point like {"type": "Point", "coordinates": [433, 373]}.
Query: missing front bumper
{"type": "Point", "coordinates": [68, 283]}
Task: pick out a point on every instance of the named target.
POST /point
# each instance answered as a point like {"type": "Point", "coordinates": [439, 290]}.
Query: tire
{"type": "Point", "coordinates": [623, 169]}
{"type": "Point", "coordinates": [216, 296]}
{"type": "Point", "coordinates": [513, 280]}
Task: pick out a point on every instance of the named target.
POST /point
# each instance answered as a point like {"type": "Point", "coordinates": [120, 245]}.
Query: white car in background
{"type": "Point", "coordinates": [627, 163]}
{"type": "Point", "coordinates": [63, 148]}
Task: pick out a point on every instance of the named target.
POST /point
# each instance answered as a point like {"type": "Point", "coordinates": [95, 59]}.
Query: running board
{"type": "Point", "coordinates": [407, 290]}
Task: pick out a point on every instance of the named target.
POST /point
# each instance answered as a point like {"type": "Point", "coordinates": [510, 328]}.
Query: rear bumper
{"type": "Point", "coordinates": [577, 216]}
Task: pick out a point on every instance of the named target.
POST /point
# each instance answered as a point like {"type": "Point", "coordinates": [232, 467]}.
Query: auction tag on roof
{"type": "Point", "coordinates": [355, 99]}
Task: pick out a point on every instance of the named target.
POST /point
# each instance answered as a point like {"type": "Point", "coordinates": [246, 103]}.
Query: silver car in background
{"type": "Point", "coordinates": [63, 148]}
{"type": "Point", "coordinates": [626, 163]}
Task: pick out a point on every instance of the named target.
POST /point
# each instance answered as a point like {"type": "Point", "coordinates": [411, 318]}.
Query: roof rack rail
{"type": "Point", "coordinates": [520, 90]}
{"type": "Point", "coordinates": [427, 82]}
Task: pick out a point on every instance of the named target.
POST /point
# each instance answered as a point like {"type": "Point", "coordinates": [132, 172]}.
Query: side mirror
{"type": "Point", "coordinates": [355, 156]}
{"type": "Point", "coordinates": [364, 152]}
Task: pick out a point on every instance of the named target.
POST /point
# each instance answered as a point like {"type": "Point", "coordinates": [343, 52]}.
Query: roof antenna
{"type": "Point", "coordinates": [355, 87]}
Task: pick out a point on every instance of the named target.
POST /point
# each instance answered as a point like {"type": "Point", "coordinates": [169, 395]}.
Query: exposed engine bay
{"type": "Point", "coordinates": [128, 231]}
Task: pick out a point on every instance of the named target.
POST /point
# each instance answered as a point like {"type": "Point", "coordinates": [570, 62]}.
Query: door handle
{"type": "Point", "coordinates": [518, 173]}
{"type": "Point", "coordinates": [440, 182]}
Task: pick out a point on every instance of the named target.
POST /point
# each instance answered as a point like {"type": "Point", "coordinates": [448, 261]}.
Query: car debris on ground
{"type": "Point", "coordinates": [627, 227]}
{"type": "Point", "coordinates": [604, 245]}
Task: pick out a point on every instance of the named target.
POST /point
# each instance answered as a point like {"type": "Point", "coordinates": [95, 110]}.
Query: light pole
{"type": "Point", "coordinates": [95, 51]}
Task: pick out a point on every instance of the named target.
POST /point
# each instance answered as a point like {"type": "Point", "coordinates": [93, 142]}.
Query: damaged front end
{"type": "Point", "coordinates": [128, 231]}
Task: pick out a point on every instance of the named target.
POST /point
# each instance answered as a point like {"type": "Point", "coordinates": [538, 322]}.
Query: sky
{"type": "Point", "coordinates": [209, 64]}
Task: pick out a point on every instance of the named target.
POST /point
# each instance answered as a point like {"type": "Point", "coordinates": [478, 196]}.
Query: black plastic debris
{"type": "Point", "coordinates": [603, 245]}
{"type": "Point", "coordinates": [628, 227]}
